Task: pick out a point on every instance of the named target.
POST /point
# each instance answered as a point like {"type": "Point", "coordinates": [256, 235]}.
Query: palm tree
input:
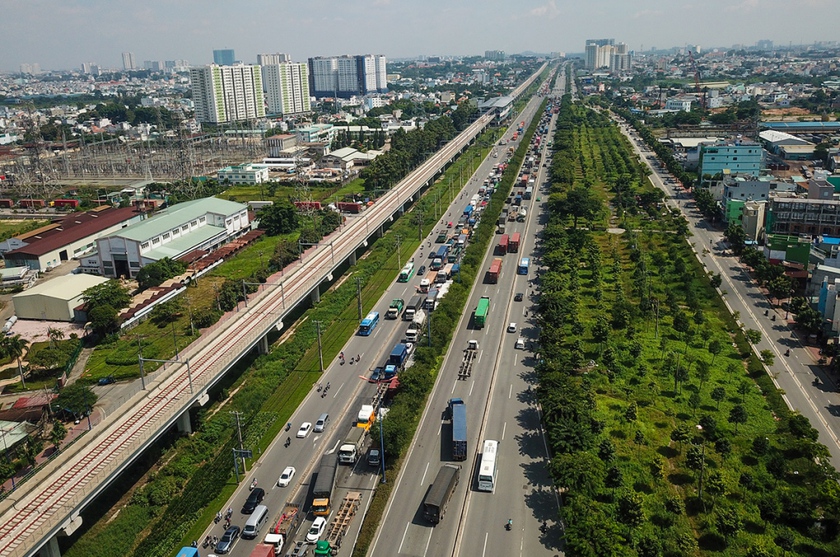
{"type": "Point", "coordinates": [14, 347]}
{"type": "Point", "coordinates": [54, 335]}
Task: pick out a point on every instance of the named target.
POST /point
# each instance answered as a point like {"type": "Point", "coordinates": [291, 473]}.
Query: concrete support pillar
{"type": "Point", "coordinates": [352, 258]}
{"type": "Point", "coordinates": [51, 548]}
{"type": "Point", "coordinates": [379, 232]}
{"type": "Point", "coordinates": [262, 347]}
{"type": "Point", "coordinates": [316, 295]}
{"type": "Point", "coordinates": [184, 425]}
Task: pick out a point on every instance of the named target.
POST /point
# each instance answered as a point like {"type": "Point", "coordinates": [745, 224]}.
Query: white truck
{"type": "Point", "coordinates": [416, 328]}
{"type": "Point", "coordinates": [350, 450]}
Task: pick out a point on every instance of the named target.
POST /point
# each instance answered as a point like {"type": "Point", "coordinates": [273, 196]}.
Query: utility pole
{"type": "Point", "coordinates": [239, 434]}
{"type": "Point", "coordinates": [419, 217]}
{"type": "Point", "coordinates": [359, 295]}
{"type": "Point", "coordinates": [320, 350]}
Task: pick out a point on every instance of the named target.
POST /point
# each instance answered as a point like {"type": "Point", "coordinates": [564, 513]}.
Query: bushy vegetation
{"type": "Point", "coordinates": [154, 274]}
{"type": "Point", "coordinates": [668, 436]}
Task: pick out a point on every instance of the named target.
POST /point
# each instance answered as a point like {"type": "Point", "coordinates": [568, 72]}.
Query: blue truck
{"type": "Point", "coordinates": [458, 415]}
{"type": "Point", "coordinates": [468, 210]}
{"type": "Point", "coordinates": [396, 360]}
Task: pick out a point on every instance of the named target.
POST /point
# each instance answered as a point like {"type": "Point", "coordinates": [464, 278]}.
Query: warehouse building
{"type": "Point", "coordinates": [203, 224]}
{"type": "Point", "coordinates": [56, 299]}
{"type": "Point", "coordinates": [72, 237]}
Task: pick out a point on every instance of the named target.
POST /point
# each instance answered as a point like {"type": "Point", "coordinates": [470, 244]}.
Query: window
{"type": "Point", "coordinates": [107, 264]}
{"type": "Point", "coordinates": [166, 235]}
{"type": "Point", "coordinates": [134, 264]}
{"type": "Point", "coordinates": [202, 219]}
{"type": "Point", "coordinates": [144, 245]}
{"type": "Point", "coordinates": [185, 228]}
{"type": "Point", "coordinates": [155, 240]}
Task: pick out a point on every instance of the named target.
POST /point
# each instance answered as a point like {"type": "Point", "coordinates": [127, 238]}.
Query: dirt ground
{"type": "Point", "coordinates": [790, 113]}
{"type": "Point", "coordinates": [36, 331]}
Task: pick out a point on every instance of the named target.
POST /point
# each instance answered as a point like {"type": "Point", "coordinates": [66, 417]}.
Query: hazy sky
{"type": "Point", "coordinates": [61, 34]}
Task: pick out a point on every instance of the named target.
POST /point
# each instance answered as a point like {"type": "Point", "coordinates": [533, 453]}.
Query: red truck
{"type": "Point", "coordinates": [495, 271]}
{"type": "Point", "coordinates": [349, 207]}
{"type": "Point", "coordinates": [503, 245]}
{"type": "Point", "coordinates": [525, 180]}
{"type": "Point", "coordinates": [513, 246]}
{"type": "Point", "coordinates": [263, 550]}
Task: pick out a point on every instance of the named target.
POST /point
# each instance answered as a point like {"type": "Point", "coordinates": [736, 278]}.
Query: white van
{"type": "Point", "coordinates": [255, 522]}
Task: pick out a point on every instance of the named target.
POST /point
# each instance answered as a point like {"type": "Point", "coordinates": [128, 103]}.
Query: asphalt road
{"type": "Point", "coordinates": [497, 384]}
{"type": "Point", "coordinates": [793, 374]}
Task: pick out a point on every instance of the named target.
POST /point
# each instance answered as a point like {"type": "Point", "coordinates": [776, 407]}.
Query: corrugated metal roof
{"type": "Point", "coordinates": [73, 228]}
{"type": "Point", "coordinates": [185, 243]}
{"type": "Point", "coordinates": [178, 215]}
{"type": "Point", "coordinates": [67, 287]}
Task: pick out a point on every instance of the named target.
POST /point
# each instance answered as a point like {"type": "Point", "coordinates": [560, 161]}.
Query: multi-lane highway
{"type": "Point", "coordinates": [499, 407]}
{"type": "Point", "coordinates": [52, 500]}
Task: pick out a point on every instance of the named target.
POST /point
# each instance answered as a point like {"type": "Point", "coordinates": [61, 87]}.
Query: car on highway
{"type": "Point", "coordinates": [254, 499]}
{"type": "Point", "coordinates": [317, 528]}
{"type": "Point", "coordinates": [286, 477]}
{"type": "Point", "coordinates": [422, 270]}
{"type": "Point", "coordinates": [304, 430]}
{"type": "Point", "coordinates": [520, 344]}
{"type": "Point", "coordinates": [518, 297]}
{"type": "Point", "coordinates": [228, 540]}
{"type": "Point", "coordinates": [409, 347]}
{"type": "Point", "coordinates": [512, 328]}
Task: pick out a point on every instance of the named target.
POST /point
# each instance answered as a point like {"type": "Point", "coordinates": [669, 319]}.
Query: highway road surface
{"type": "Point", "coordinates": [500, 382]}
{"type": "Point", "coordinates": [794, 374]}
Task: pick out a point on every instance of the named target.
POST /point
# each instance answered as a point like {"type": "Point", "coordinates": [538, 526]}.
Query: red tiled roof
{"type": "Point", "coordinates": [33, 401]}
{"type": "Point", "coordinates": [73, 228]}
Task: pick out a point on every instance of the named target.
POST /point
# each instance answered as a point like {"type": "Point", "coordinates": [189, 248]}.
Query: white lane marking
{"type": "Point", "coordinates": [504, 429]}
{"type": "Point", "coordinates": [403, 538]}
{"type": "Point", "coordinates": [510, 391]}
{"type": "Point", "coordinates": [426, 550]}
{"type": "Point", "coordinates": [339, 390]}
{"type": "Point", "coordinates": [423, 477]}
{"type": "Point", "coordinates": [471, 387]}
{"type": "Point", "coordinates": [484, 548]}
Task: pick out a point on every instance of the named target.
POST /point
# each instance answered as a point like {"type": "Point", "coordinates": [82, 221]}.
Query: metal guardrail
{"type": "Point", "coordinates": [29, 519]}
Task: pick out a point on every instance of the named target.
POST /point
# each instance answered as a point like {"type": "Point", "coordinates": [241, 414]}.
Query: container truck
{"type": "Point", "coordinates": [431, 300]}
{"type": "Point", "coordinates": [481, 311]}
{"type": "Point", "coordinates": [414, 305]}
{"type": "Point", "coordinates": [324, 484]}
{"type": "Point", "coordinates": [396, 360]}
{"type": "Point", "coordinates": [513, 245]}
{"type": "Point", "coordinates": [349, 451]}
{"type": "Point", "coordinates": [434, 504]}
{"type": "Point", "coordinates": [284, 529]}
{"type": "Point", "coordinates": [494, 271]}
{"type": "Point", "coordinates": [263, 550]}
{"type": "Point", "coordinates": [395, 309]}
{"type": "Point", "coordinates": [458, 417]}
{"type": "Point", "coordinates": [502, 248]}
{"type": "Point", "coordinates": [424, 285]}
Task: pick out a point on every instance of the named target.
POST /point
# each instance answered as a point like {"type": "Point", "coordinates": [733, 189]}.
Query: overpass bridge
{"type": "Point", "coordinates": [50, 503]}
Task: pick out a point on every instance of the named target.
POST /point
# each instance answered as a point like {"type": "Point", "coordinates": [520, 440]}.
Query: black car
{"type": "Point", "coordinates": [226, 543]}
{"type": "Point", "coordinates": [254, 499]}
{"type": "Point", "coordinates": [518, 297]}
{"type": "Point", "coordinates": [422, 270]}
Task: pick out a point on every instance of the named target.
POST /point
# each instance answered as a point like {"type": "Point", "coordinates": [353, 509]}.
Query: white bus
{"type": "Point", "coordinates": [487, 472]}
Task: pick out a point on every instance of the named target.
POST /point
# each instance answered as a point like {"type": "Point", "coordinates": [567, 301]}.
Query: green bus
{"type": "Point", "coordinates": [481, 311]}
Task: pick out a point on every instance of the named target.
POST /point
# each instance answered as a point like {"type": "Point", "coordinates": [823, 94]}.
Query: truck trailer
{"type": "Point", "coordinates": [414, 304]}
{"type": "Point", "coordinates": [324, 484]}
{"type": "Point", "coordinates": [434, 505]}
{"type": "Point", "coordinates": [349, 451]}
{"type": "Point", "coordinates": [396, 360]}
{"type": "Point", "coordinates": [284, 529]}
{"type": "Point", "coordinates": [481, 311]}
{"type": "Point", "coordinates": [458, 418]}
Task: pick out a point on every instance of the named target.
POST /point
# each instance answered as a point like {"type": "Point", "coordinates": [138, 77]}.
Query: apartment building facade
{"type": "Point", "coordinates": [227, 93]}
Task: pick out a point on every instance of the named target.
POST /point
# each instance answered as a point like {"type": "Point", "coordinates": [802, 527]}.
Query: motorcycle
{"type": "Point", "coordinates": [289, 424]}
{"type": "Point", "coordinates": [206, 542]}
{"type": "Point", "coordinates": [253, 484]}
{"type": "Point", "coordinates": [787, 352]}
{"type": "Point", "coordinates": [773, 318]}
{"type": "Point", "coordinates": [509, 524]}
{"type": "Point", "coordinates": [289, 440]}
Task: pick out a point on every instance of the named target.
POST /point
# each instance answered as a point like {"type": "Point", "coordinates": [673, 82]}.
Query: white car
{"type": "Point", "coordinates": [286, 476]}
{"type": "Point", "coordinates": [304, 430]}
{"type": "Point", "coordinates": [409, 347]}
{"type": "Point", "coordinates": [315, 531]}
{"type": "Point", "coordinates": [520, 343]}
{"type": "Point", "coordinates": [512, 328]}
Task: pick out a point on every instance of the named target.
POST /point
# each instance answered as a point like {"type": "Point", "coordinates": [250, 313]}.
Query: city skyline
{"type": "Point", "coordinates": [189, 30]}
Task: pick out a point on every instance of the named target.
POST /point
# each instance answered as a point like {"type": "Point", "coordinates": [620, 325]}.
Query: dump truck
{"type": "Point", "coordinates": [349, 451]}
{"type": "Point", "coordinates": [458, 418]}
{"type": "Point", "coordinates": [324, 484]}
{"type": "Point", "coordinates": [395, 309]}
{"type": "Point", "coordinates": [434, 504]}
{"type": "Point", "coordinates": [481, 311]}
{"type": "Point", "coordinates": [470, 354]}
{"type": "Point", "coordinates": [513, 245]}
{"type": "Point", "coordinates": [284, 529]}
{"type": "Point", "coordinates": [414, 304]}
